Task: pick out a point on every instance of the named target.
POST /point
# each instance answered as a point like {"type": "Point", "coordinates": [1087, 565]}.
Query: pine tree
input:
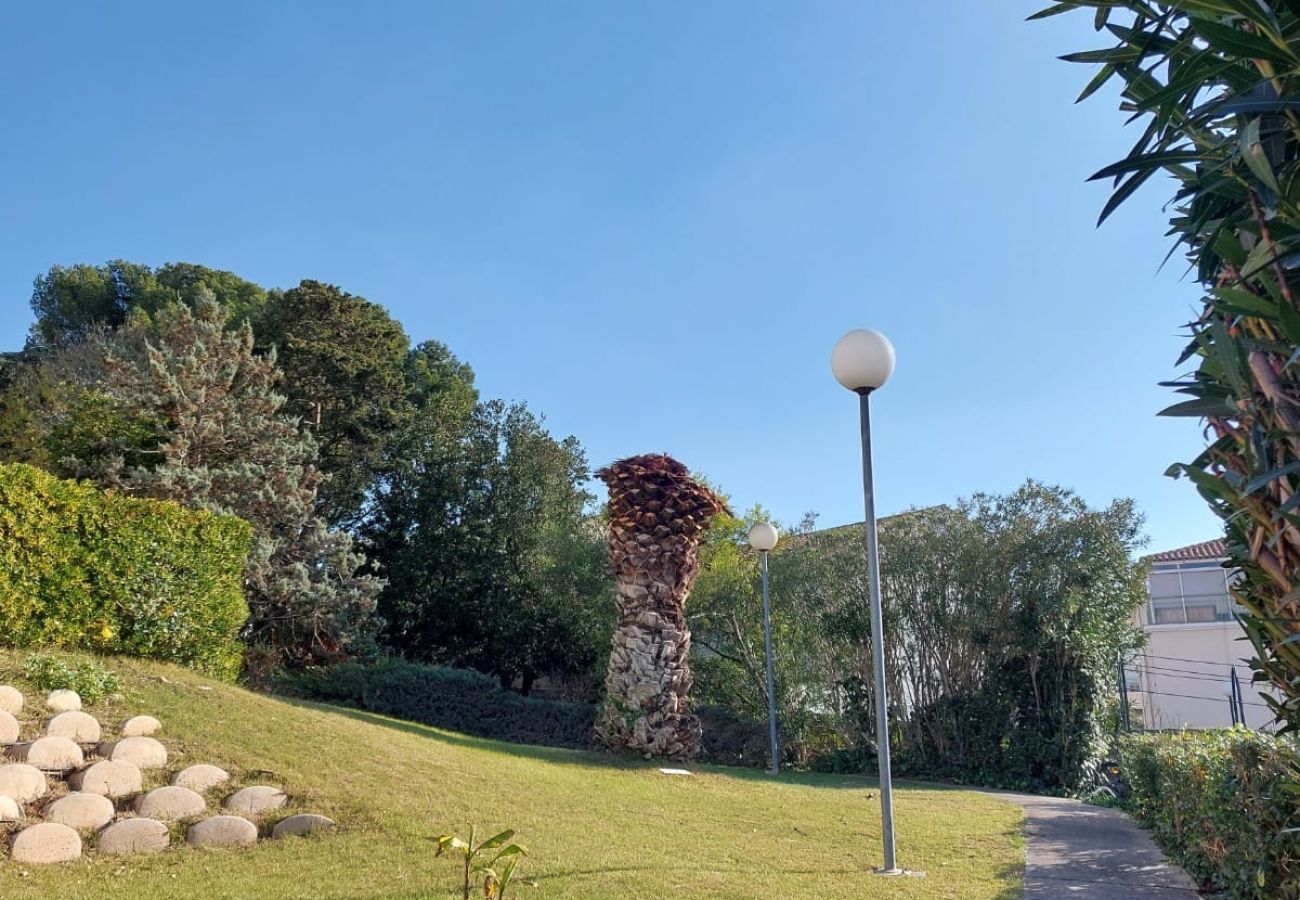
{"type": "Point", "coordinates": [193, 414]}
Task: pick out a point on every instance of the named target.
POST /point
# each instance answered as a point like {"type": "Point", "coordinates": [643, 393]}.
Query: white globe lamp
{"type": "Point", "coordinates": [862, 360]}
{"type": "Point", "coordinates": [763, 536]}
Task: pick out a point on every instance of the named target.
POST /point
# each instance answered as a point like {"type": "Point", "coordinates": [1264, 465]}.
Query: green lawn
{"type": "Point", "coordinates": [596, 827]}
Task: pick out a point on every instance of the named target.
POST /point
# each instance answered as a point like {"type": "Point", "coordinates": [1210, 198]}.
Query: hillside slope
{"type": "Point", "coordinates": [596, 827]}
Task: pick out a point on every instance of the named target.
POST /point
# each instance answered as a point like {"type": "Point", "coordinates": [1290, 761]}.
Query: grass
{"type": "Point", "coordinates": [596, 827]}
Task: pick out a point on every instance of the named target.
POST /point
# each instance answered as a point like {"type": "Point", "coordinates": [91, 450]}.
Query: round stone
{"type": "Point", "coordinates": [80, 810]}
{"type": "Point", "coordinates": [75, 726]}
{"type": "Point", "coordinates": [130, 837]}
{"type": "Point", "coordinates": [201, 778]}
{"type": "Point", "coordinates": [170, 804]}
{"type": "Point", "coordinates": [108, 778]}
{"type": "Point", "coordinates": [141, 726]}
{"type": "Point", "coordinates": [52, 754]}
{"type": "Point", "coordinates": [222, 831]}
{"type": "Point", "coordinates": [9, 728]}
{"type": "Point", "coordinates": [63, 700]}
{"type": "Point", "coordinates": [256, 800]}
{"type": "Point", "coordinates": [10, 811]}
{"type": "Point", "coordinates": [145, 752]}
{"type": "Point", "coordinates": [22, 782]}
{"type": "Point", "coordinates": [300, 825]}
{"type": "Point", "coordinates": [48, 842]}
{"type": "Point", "coordinates": [11, 700]}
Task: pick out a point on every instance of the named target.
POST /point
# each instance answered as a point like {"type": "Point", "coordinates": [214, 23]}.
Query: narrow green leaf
{"type": "Point", "coordinates": [1113, 55]}
{"type": "Point", "coordinates": [1243, 303]}
{"type": "Point", "coordinates": [1147, 161]}
{"type": "Point", "coordinates": [1212, 487]}
{"type": "Point", "coordinates": [496, 840]}
{"type": "Point", "coordinates": [1252, 151]}
{"type": "Point", "coordinates": [1270, 476]}
{"type": "Point", "coordinates": [1228, 352]}
{"type": "Point", "coordinates": [1200, 408]}
{"type": "Point", "coordinates": [1096, 83]}
{"type": "Point", "coordinates": [1123, 192]}
{"type": "Point", "coordinates": [1053, 10]}
{"type": "Point", "coordinates": [1234, 41]}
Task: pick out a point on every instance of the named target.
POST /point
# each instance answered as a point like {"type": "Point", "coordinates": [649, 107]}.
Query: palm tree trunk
{"type": "Point", "coordinates": [658, 514]}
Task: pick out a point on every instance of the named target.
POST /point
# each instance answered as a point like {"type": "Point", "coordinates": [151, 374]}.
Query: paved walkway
{"type": "Point", "coordinates": [1082, 852]}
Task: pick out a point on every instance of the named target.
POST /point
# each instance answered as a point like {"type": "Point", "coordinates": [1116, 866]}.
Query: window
{"type": "Point", "coordinates": [1189, 593]}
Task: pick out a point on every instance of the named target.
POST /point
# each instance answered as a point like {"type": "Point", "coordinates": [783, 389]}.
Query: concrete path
{"type": "Point", "coordinates": [1082, 852]}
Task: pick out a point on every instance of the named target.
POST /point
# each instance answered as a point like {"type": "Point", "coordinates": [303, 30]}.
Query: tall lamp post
{"type": "Point", "coordinates": [862, 361]}
{"type": "Point", "coordinates": [763, 537]}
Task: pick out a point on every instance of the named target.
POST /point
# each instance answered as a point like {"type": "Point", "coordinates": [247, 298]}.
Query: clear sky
{"type": "Point", "coordinates": [650, 221]}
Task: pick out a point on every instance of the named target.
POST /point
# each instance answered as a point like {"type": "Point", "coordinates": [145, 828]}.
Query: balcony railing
{"type": "Point", "coordinates": [1191, 609]}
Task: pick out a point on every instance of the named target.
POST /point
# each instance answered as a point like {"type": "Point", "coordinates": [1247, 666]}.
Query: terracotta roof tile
{"type": "Point", "coordinates": [1204, 550]}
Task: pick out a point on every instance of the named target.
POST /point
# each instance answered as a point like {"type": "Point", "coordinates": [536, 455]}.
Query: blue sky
{"type": "Point", "coordinates": [649, 221]}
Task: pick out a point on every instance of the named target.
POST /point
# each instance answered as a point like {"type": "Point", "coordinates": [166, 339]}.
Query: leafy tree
{"type": "Point", "coordinates": [178, 406]}
{"type": "Point", "coordinates": [479, 525]}
{"type": "Point", "coordinates": [344, 361]}
{"type": "Point", "coordinates": [726, 618]}
{"type": "Point", "coordinates": [344, 358]}
{"type": "Point", "coordinates": [73, 302]}
{"type": "Point", "coordinates": [1215, 86]}
{"type": "Point", "coordinates": [1004, 617]}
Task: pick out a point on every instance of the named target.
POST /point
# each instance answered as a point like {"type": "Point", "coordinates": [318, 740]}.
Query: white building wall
{"type": "Point", "coordinates": [1181, 678]}
{"type": "Point", "coordinates": [1184, 673]}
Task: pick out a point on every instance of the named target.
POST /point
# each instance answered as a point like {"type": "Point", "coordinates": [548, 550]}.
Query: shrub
{"type": "Point", "coordinates": [85, 569]}
{"type": "Point", "coordinates": [455, 699]}
{"type": "Point", "coordinates": [473, 703]}
{"type": "Point", "coordinates": [1219, 802]}
{"type": "Point", "coordinates": [90, 680]}
{"type": "Point", "coordinates": [730, 740]}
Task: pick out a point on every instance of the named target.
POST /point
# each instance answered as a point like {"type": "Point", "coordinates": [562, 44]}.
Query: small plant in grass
{"type": "Point", "coordinates": [494, 860]}
{"type": "Point", "coordinates": [91, 681]}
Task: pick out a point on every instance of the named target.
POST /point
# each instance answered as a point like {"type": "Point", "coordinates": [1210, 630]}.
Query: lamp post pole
{"type": "Point", "coordinates": [863, 361]}
{"type": "Point", "coordinates": [763, 537]}
{"type": "Point", "coordinates": [775, 767]}
{"type": "Point", "coordinates": [877, 643]}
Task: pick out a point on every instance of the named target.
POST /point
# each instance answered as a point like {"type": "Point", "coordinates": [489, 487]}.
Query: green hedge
{"type": "Point", "coordinates": [1219, 802]}
{"type": "Point", "coordinates": [473, 703]}
{"type": "Point", "coordinates": [87, 569]}
{"type": "Point", "coordinates": [455, 699]}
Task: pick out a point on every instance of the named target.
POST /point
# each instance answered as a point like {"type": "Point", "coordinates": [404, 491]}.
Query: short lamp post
{"type": "Point", "coordinates": [862, 361]}
{"type": "Point", "coordinates": [763, 538]}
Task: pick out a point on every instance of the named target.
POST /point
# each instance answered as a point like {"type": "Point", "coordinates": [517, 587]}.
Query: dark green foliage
{"type": "Point", "coordinates": [455, 699]}
{"type": "Point", "coordinates": [1003, 619]}
{"type": "Point", "coordinates": [470, 702]}
{"type": "Point", "coordinates": [1214, 86]}
{"type": "Point", "coordinates": [85, 569]}
{"type": "Point", "coordinates": [730, 740]}
{"type": "Point", "coordinates": [479, 527]}
{"type": "Point", "coordinates": [71, 303]}
{"type": "Point", "coordinates": [1223, 805]}
{"type": "Point", "coordinates": [178, 406]}
{"type": "Point", "coordinates": [343, 359]}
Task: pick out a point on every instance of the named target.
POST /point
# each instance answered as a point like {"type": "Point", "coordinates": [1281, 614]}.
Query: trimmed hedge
{"type": "Point", "coordinates": [87, 569]}
{"type": "Point", "coordinates": [455, 699]}
{"type": "Point", "coordinates": [1219, 803]}
{"type": "Point", "coordinates": [470, 702]}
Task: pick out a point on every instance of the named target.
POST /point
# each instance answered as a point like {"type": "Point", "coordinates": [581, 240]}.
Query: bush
{"type": "Point", "coordinates": [85, 569]}
{"type": "Point", "coordinates": [455, 699]}
{"type": "Point", "coordinates": [1220, 802]}
{"type": "Point", "coordinates": [473, 703]}
{"type": "Point", "coordinates": [90, 680]}
{"type": "Point", "coordinates": [729, 740]}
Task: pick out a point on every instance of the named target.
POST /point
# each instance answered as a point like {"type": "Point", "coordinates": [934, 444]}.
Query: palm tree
{"type": "Point", "coordinates": [657, 515]}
